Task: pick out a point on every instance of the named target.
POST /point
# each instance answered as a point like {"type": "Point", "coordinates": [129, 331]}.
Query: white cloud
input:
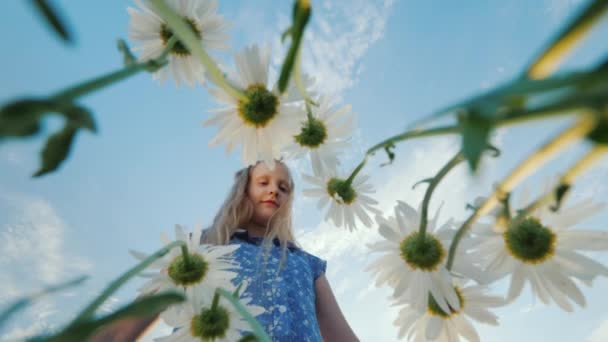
{"type": "Point", "coordinates": [339, 35]}
{"type": "Point", "coordinates": [600, 334]}
{"type": "Point", "coordinates": [33, 256]}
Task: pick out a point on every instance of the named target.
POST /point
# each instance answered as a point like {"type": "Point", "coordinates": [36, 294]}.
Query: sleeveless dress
{"type": "Point", "coordinates": [288, 295]}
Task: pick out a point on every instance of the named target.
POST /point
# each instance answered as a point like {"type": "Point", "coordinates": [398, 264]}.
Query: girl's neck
{"type": "Point", "coordinates": [255, 229]}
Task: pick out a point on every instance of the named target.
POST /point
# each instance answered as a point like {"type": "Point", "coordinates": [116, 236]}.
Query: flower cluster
{"type": "Point", "coordinates": [431, 279]}
{"type": "Point", "coordinates": [267, 124]}
{"type": "Point", "coordinates": [537, 247]}
{"type": "Point", "coordinates": [197, 271]}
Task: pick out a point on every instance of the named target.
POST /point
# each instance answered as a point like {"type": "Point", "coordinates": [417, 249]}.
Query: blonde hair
{"type": "Point", "coordinates": [237, 210]}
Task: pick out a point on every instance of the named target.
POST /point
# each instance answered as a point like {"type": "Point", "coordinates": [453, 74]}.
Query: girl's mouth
{"type": "Point", "coordinates": [275, 204]}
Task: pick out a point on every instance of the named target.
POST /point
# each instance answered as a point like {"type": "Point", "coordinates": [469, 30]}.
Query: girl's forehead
{"type": "Point", "coordinates": [279, 171]}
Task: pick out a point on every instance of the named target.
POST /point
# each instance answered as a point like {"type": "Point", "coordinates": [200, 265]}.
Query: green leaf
{"type": "Point", "coordinates": [81, 117]}
{"type": "Point", "coordinates": [475, 130]}
{"type": "Point", "coordinates": [287, 33]}
{"type": "Point", "coordinates": [494, 149]}
{"type": "Point", "coordinates": [302, 12]}
{"type": "Point", "coordinates": [143, 307]}
{"type": "Point", "coordinates": [146, 306]}
{"type": "Point", "coordinates": [56, 150]}
{"type": "Point", "coordinates": [21, 118]}
{"type": "Point", "coordinates": [560, 193]}
{"type": "Point", "coordinates": [24, 302]}
{"type": "Point", "coordinates": [127, 56]}
{"type": "Point", "coordinates": [426, 180]}
{"type": "Point", "coordinates": [248, 338]}
{"type": "Point", "coordinates": [52, 17]}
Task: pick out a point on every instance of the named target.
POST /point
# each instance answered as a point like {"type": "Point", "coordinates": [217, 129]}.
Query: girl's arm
{"type": "Point", "coordinates": [332, 323]}
{"type": "Point", "coordinates": [124, 330]}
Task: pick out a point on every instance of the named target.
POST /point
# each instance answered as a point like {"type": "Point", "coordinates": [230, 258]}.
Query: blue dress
{"type": "Point", "coordinates": [288, 295]}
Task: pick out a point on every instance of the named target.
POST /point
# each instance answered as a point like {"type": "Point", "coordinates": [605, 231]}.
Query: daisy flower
{"type": "Point", "coordinates": [435, 324]}
{"type": "Point", "coordinates": [415, 266]}
{"type": "Point", "coordinates": [544, 251]}
{"type": "Point", "coordinates": [346, 201]}
{"type": "Point", "coordinates": [147, 28]}
{"type": "Point", "coordinates": [265, 121]}
{"type": "Point", "coordinates": [323, 136]}
{"type": "Point", "coordinates": [209, 267]}
{"type": "Point", "coordinates": [202, 320]}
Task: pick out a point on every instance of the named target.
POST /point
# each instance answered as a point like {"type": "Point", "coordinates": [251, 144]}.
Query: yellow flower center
{"type": "Point", "coordinates": [260, 106]}
{"type": "Point", "coordinates": [186, 274]}
{"type": "Point", "coordinates": [530, 241]}
{"type": "Point", "coordinates": [422, 252]}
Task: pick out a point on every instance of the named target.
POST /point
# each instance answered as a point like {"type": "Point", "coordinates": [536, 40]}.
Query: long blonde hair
{"type": "Point", "coordinates": [237, 210]}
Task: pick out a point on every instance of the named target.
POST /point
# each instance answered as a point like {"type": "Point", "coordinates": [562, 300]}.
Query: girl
{"type": "Point", "coordinates": [288, 282]}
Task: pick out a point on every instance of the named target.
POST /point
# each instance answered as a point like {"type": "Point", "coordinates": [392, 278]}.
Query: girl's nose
{"type": "Point", "coordinates": [273, 192]}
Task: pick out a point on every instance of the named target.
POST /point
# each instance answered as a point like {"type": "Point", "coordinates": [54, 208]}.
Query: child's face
{"type": "Point", "coordinates": [268, 190]}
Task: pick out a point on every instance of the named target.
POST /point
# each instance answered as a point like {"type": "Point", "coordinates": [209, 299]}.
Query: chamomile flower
{"type": "Point", "coordinates": [544, 251]}
{"type": "Point", "coordinates": [346, 201]}
{"type": "Point", "coordinates": [147, 28]}
{"type": "Point", "coordinates": [209, 266]}
{"type": "Point", "coordinates": [415, 265]}
{"type": "Point", "coordinates": [264, 122]}
{"type": "Point", "coordinates": [323, 136]}
{"type": "Point", "coordinates": [201, 320]}
{"type": "Point", "coordinates": [435, 324]}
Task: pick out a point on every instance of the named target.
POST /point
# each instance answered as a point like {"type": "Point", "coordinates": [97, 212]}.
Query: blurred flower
{"type": "Point", "coordinates": [323, 136]}
{"type": "Point", "coordinates": [438, 325]}
{"type": "Point", "coordinates": [209, 266]}
{"type": "Point", "coordinates": [147, 28]}
{"type": "Point", "coordinates": [415, 266]}
{"type": "Point", "coordinates": [346, 201]}
{"type": "Point", "coordinates": [263, 123]}
{"type": "Point", "coordinates": [543, 251]}
{"type": "Point", "coordinates": [200, 320]}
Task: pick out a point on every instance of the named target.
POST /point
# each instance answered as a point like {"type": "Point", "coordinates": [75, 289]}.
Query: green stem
{"type": "Point", "coordinates": [88, 312]}
{"type": "Point", "coordinates": [215, 301]}
{"type": "Point", "coordinates": [565, 107]}
{"type": "Point", "coordinates": [573, 133]}
{"type": "Point", "coordinates": [352, 176]}
{"type": "Point", "coordinates": [71, 93]}
{"type": "Point", "coordinates": [519, 87]}
{"type": "Point", "coordinates": [185, 255]}
{"type": "Point", "coordinates": [89, 86]}
{"type": "Point", "coordinates": [432, 185]}
{"type": "Point", "coordinates": [299, 81]}
{"type": "Point", "coordinates": [188, 38]}
{"type": "Point", "coordinates": [309, 112]}
{"type": "Point", "coordinates": [413, 134]}
{"type": "Point", "coordinates": [567, 40]}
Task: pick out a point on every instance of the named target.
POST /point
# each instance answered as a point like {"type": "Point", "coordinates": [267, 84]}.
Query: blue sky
{"type": "Point", "coordinates": [150, 167]}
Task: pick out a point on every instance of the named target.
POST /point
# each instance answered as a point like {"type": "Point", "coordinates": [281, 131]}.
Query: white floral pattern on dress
{"type": "Point", "coordinates": [287, 295]}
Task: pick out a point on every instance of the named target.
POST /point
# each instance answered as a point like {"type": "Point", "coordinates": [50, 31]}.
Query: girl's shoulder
{"type": "Point", "coordinates": [301, 257]}
{"type": "Point", "coordinates": [317, 265]}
